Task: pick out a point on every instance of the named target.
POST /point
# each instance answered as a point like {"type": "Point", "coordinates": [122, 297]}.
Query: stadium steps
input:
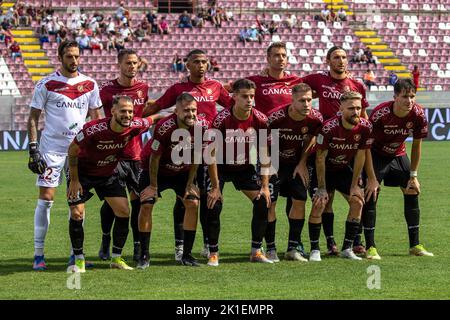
{"type": "Point", "coordinates": [7, 4]}
{"type": "Point", "coordinates": [337, 4]}
{"type": "Point", "coordinates": [34, 58]}
{"type": "Point", "coordinates": [381, 50]}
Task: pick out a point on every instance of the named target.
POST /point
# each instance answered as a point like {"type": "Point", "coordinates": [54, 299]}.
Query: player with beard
{"type": "Point", "coordinates": [298, 124]}
{"type": "Point", "coordinates": [93, 158]}
{"type": "Point", "coordinates": [66, 97]}
{"type": "Point", "coordinates": [207, 92]}
{"type": "Point", "coordinates": [329, 87]}
{"type": "Point", "coordinates": [161, 172]}
{"type": "Point", "coordinates": [342, 140]}
{"type": "Point", "coordinates": [129, 167]}
{"type": "Point", "coordinates": [393, 122]}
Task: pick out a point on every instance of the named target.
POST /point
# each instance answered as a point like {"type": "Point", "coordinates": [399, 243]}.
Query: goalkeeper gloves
{"type": "Point", "coordinates": [36, 163]}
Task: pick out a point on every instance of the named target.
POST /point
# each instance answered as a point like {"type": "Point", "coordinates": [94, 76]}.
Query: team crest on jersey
{"type": "Point", "coordinates": [80, 88]}
{"type": "Point", "coordinates": [140, 94]}
{"type": "Point", "coordinates": [409, 125]}
{"type": "Point", "coordinates": [357, 137]}
{"type": "Point", "coordinates": [208, 91]}
{"type": "Point", "coordinates": [346, 88]}
{"type": "Point", "coordinates": [305, 130]}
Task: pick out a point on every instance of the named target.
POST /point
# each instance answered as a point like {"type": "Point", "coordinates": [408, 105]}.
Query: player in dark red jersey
{"type": "Point", "coordinates": [274, 86]}
{"type": "Point", "coordinates": [393, 122]}
{"type": "Point", "coordinates": [239, 129]}
{"type": "Point", "coordinates": [342, 140]}
{"type": "Point", "coordinates": [207, 92]}
{"type": "Point", "coordinates": [161, 171]}
{"type": "Point", "coordinates": [329, 87]}
{"type": "Point", "coordinates": [125, 84]}
{"type": "Point", "coordinates": [298, 124]}
{"type": "Point", "coordinates": [93, 158]}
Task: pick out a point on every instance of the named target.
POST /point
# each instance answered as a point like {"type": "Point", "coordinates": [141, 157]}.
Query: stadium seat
{"type": "Point", "coordinates": [306, 25]}
{"type": "Point", "coordinates": [434, 67]}
{"type": "Point", "coordinates": [391, 25]}
{"type": "Point", "coordinates": [402, 39]}
{"type": "Point", "coordinates": [320, 53]}
{"type": "Point", "coordinates": [306, 67]}
{"type": "Point", "coordinates": [276, 38]}
{"type": "Point", "coordinates": [347, 46]}
{"type": "Point", "coordinates": [260, 5]}
{"type": "Point", "coordinates": [304, 53]}
{"type": "Point", "coordinates": [293, 60]}
{"type": "Point", "coordinates": [276, 18]}
{"type": "Point", "coordinates": [381, 88]}
{"type": "Point", "coordinates": [327, 32]}
{"type": "Point", "coordinates": [321, 25]}
{"type": "Point", "coordinates": [290, 45]}
{"type": "Point", "coordinates": [437, 87]}
{"type": "Point", "coordinates": [373, 88]}
{"type": "Point", "coordinates": [390, 88]}
{"type": "Point", "coordinates": [317, 60]}
{"type": "Point", "coordinates": [407, 52]}
{"type": "Point", "coordinates": [432, 39]}
{"type": "Point", "coordinates": [349, 38]}
{"type": "Point", "coordinates": [337, 25]}
{"type": "Point", "coordinates": [447, 66]}
{"type": "Point", "coordinates": [405, 7]}
{"type": "Point", "coordinates": [309, 39]}
{"type": "Point", "coordinates": [418, 39]}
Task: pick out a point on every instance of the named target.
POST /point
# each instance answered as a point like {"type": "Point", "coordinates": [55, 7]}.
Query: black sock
{"type": "Point", "coordinates": [214, 227]}
{"type": "Point", "coordinates": [350, 231]}
{"type": "Point", "coordinates": [327, 224]}
{"type": "Point", "coordinates": [295, 227]}
{"type": "Point", "coordinates": [120, 233]}
{"type": "Point", "coordinates": [189, 237]}
{"type": "Point", "coordinates": [270, 235]}
{"type": "Point", "coordinates": [203, 216]}
{"type": "Point", "coordinates": [135, 208]}
{"type": "Point", "coordinates": [178, 217]}
{"type": "Point", "coordinates": [412, 216]}
{"type": "Point", "coordinates": [107, 219]}
{"type": "Point", "coordinates": [76, 233]}
{"type": "Point", "coordinates": [369, 216]}
{"type": "Point", "coordinates": [357, 241]}
{"type": "Point", "coordinates": [145, 243]}
{"type": "Point", "coordinates": [259, 221]}
{"type": "Point", "coordinates": [314, 235]}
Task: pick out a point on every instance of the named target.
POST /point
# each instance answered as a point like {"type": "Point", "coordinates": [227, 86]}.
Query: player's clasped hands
{"type": "Point", "coordinates": [148, 193]}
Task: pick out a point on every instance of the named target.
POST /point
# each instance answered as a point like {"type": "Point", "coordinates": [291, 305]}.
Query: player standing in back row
{"type": "Point", "coordinates": [129, 167]}
{"type": "Point", "coordinates": [207, 92]}
{"type": "Point", "coordinates": [66, 97]}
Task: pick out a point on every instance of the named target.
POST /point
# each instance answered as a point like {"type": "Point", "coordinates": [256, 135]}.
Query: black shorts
{"type": "Point", "coordinates": [177, 182]}
{"type": "Point", "coordinates": [283, 184]}
{"type": "Point", "coordinates": [110, 186]}
{"type": "Point", "coordinates": [243, 179]}
{"type": "Point", "coordinates": [395, 171]}
{"type": "Point", "coordinates": [129, 171]}
{"type": "Point", "coordinates": [339, 180]}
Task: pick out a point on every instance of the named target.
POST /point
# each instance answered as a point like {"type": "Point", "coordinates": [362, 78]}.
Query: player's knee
{"type": "Point", "coordinates": [356, 202]}
{"type": "Point", "coordinates": [260, 209]}
{"type": "Point", "coordinates": [146, 210]}
{"type": "Point", "coordinates": [76, 213]}
{"type": "Point", "coordinates": [191, 204]}
{"type": "Point", "coordinates": [122, 211]}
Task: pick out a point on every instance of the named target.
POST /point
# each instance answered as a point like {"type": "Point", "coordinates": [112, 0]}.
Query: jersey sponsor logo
{"type": "Point", "coordinates": [220, 117]}
{"type": "Point", "coordinates": [287, 154]}
{"type": "Point", "coordinates": [401, 131]}
{"type": "Point", "coordinates": [389, 149]}
{"type": "Point", "coordinates": [285, 91]}
{"type": "Point", "coordinates": [108, 160]}
{"type": "Point", "coordinates": [330, 125]}
{"type": "Point", "coordinates": [291, 137]}
{"type": "Point", "coordinates": [96, 128]}
{"type": "Point", "coordinates": [341, 159]}
{"type": "Point", "coordinates": [204, 99]}
{"type": "Point", "coordinates": [344, 146]}
{"type": "Point", "coordinates": [111, 146]}
{"type": "Point", "coordinates": [380, 113]}
{"type": "Point", "coordinates": [138, 102]}
{"type": "Point", "coordinates": [280, 114]}
{"type": "Point", "coordinates": [166, 126]}
{"type": "Point", "coordinates": [71, 105]}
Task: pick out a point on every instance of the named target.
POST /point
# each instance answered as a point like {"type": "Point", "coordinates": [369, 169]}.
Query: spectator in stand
{"type": "Point", "coordinates": [273, 27]}
{"type": "Point", "coordinates": [177, 63]}
{"type": "Point", "coordinates": [342, 15]}
{"type": "Point", "coordinates": [14, 48]}
{"type": "Point", "coordinates": [84, 41]}
{"type": "Point", "coordinates": [43, 34]}
{"type": "Point", "coordinates": [94, 25]}
{"type": "Point", "coordinates": [111, 27]}
{"type": "Point", "coordinates": [140, 34]}
{"type": "Point", "coordinates": [163, 26]}
{"type": "Point", "coordinates": [96, 43]}
{"type": "Point", "coordinates": [290, 22]}
{"type": "Point", "coordinates": [392, 78]}
{"type": "Point", "coordinates": [253, 34]}
{"type": "Point", "coordinates": [324, 14]}
{"type": "Point", "coordinates": [61, 36]}
{"type": "Point", "coordinates": [198, 20]}
{"type": "Point", "coordinates": [358, 55]}
{"type": "Point", "coordinates": [126, 33]}
{"type": "Point", "coordinates": [214, 17]}
{"type": "Point", "coordinates": [23, 18]}
{"type": "Point", "coordinates": [153, 20]}
{"type": "Point", "coordinates": [332, 17]}
{"type": "Point", "coordinates": [11, 17]}
{"type": "Point", "coordinates": [416, 75]}
{"type": "Point", "coordinates": [120, 12]}
{"type": "Point", "coordinates": [31, 12]}
{"type": "Point", "coordinates": [184, 20]}
{"type": "Point", "coordinates": [370, 58]}
{"type": "Point", "coordinates": [145, 25]}
{"type": "Point", "coordinates": [6, 35]}
{"type": "Point", "coordinates": [369, 78]}
{"type": "Point", "coordinates": [229, 15]}
{"type": "Point", "coordinates": [263, 28]}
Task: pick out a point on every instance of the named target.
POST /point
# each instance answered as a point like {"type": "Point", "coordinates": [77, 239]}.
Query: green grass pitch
{"type": "Point", "coordinates": [401, 276]}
